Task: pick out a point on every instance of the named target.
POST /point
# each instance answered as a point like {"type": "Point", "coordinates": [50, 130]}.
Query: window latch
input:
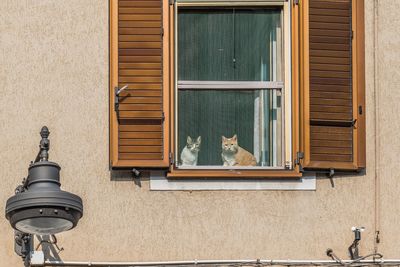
{"type": "Point", "coordinates": [117, 92]}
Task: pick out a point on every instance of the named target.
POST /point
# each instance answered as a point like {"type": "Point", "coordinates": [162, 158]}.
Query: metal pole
{"type": "Point", "coordinates": [222, 262]}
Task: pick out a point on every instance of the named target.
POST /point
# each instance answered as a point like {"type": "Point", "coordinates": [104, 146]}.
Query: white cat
{"type": "Point", "coordinates": [190, 152]}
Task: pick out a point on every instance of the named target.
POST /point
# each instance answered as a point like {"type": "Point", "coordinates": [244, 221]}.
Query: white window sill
{"type": "Point", "coordinates": [159, 182]}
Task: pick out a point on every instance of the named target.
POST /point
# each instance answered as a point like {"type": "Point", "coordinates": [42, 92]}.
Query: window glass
{"type": "Point", "coordinates": [226, 44]}
{"type": "Point", "coordinates": [228, 61]}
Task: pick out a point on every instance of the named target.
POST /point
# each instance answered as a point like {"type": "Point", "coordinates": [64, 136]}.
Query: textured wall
{"type": "Point", "coordinates": [54, 71]}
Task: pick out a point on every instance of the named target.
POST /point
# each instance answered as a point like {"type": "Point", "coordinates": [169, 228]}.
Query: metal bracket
{"type": "Point", "coordinates": [171, 159]}
{"type": "Point", "coordinates": [136, 177]}
{"type": "Point", "coordinates": [331, 173]}
{"type": "Point", "coordinates": [353, 249]}
{"type": "Point", "coordinates": [23, 245]}
{"type": "Point", "coordinates": [377, 238]}
{"type": "Point", "coordinates": [297, 160]}
{"type": "Point", "coordinates": [296, 2]}
{"type": "Point", "coordinates": [117, 92]}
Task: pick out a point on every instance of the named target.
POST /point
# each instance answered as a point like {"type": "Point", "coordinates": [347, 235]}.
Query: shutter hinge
{"type": "Point", "coordinates": [288, 165]}
{"type": "Point", "coordinates": [296, 2]}
{"type": "Point", "coordinates": [162, 32]}
{"type": "Point", "coordinates": [172, 2]}
{"type": "Point", "coordinates": [297, 160]}
{"type": "Point", "coordinates": [171, 159]}
{"type": "Point", "coordinates": [163, 116]}
{"type": "Point", "coordinates": [351, 34]}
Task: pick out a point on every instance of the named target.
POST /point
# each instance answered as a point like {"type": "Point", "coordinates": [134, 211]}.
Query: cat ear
{"type": "Point", "coordinates": [234, 138]}
{"type": "Point", "coordinates": [198, 139]}
{"type": "Point", "coordinates": [223, 138]}
{"type": "Point", "coordinates": [189, 140]}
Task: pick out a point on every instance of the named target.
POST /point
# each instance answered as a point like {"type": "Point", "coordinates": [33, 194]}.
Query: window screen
{"type": "Point", "coordinates": [230, 85]}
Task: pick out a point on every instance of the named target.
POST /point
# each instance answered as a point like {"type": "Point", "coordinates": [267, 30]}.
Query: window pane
{"type": "Point", "coordinates": [253, 115]}
{"type": "Point", "coordinates": [227, 44]}
{"type": "Point", "coordinates": [238, 45]}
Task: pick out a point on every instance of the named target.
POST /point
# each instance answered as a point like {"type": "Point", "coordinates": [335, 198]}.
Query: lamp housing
{"type": "Point", "coordinates": [39, 206]}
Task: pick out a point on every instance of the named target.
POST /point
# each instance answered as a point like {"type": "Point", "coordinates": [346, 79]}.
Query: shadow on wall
{"type": "Point", "coordinates": [136, 176]}
{"type": "Point", "coordinates": [49, 246]}
{"type": "Point", "coordinates": [129, 175]}
{"type": "Point", "coordinates": [339, 175]}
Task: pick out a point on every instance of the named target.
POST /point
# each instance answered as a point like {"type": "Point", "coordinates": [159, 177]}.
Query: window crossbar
{"type": "Point", "coordinates": [228, 85]}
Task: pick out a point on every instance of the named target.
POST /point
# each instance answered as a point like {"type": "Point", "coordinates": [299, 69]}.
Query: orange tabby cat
{"type": "Point", "coordinates": [234, 155]}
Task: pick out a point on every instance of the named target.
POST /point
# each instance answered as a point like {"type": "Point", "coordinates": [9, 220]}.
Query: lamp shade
{"type": "Point", "coordinates": [43, 208]}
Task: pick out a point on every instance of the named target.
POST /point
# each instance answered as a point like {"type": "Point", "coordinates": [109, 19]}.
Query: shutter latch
{"type": "Point", "coordinates": [118, 91]}
{"type": "Point", "coordinates": [353, 123]}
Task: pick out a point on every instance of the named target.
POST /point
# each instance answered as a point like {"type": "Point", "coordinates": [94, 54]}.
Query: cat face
{"type": "Point", "coordinates": [193, 145]}
{"type": "Point", "coordinates": [230, 145]}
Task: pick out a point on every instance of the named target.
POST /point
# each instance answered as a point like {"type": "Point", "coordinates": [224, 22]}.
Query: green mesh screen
{"type": "Point", "coordinates": [226, 44]}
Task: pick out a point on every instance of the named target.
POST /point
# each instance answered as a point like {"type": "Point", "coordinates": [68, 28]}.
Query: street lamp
{"type": "Point", "coordinates": [39, 206]}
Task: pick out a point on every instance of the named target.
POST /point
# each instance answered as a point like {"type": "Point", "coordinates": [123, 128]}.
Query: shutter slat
{"type": "Point", "coordinates": [144, 31]}
{"type": "Point", "coordinates": [140, 45]}
{"type": "Point", "coordinates": [332, 158]}
{"type": "Point", "coordinates": [140, 59]}
{"type": "Point", "coordinates": [139, 10]}
{"type": "Point", "coordinates": [140, 156]}
{"type": "Point", "coordinates": [141, 128]}
{"type": "Point", "coordinates": [141, 149]}
{"type": "Point", "coordinates": [336, 102]}
{"type": "Point", "coordinates": [329, 26]}
{"type": "Point", "coordinates": [141, 142]}
{"type": "Point", "coordinates": [139, 24]}
{"type": "Point", "coordinates": [136, 107]}
{"type": "Point", "coordinates": [140, 17]}
{"type": "Point", "coordinates": [142, 100]}
{"type": "Point", "coordinates": [129, 72]}
{"type": "Point", "coordinates": [139, 66]}
{"type": "Point", "coordinates": [330, 67]}
{"type": "Point", "coordinates": [147, 3]}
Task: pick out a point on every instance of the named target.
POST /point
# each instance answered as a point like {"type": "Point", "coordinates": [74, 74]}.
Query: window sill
{"type": "Point", "coordinates": [232, 174]}
{"type": "Point", "coordinates": [159, 182]}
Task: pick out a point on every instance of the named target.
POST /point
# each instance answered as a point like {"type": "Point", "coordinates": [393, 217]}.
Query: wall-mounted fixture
{"type": "Point", "coordinates": [353, 248]}
{"type": "Point", "coordinates": [39, 206]}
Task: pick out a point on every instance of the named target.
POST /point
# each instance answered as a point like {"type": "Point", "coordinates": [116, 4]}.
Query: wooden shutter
{"type": "Point", "coordinates": [333, 84]}
{"type": "Point", "coordinates": [139, 132]}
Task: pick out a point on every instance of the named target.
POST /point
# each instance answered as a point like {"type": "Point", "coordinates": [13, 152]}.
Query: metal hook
{"type": "Point", "coordinates": [118, 91]}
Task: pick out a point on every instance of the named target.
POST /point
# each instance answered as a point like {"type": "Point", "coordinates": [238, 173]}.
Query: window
{"type": "Point", "coordinates": [231, 86]}
{"type": "Point", "coordinates": [285, 79]}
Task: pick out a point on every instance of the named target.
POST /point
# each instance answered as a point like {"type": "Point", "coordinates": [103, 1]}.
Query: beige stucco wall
{"type": "Point", "coordinates": [54, 72]}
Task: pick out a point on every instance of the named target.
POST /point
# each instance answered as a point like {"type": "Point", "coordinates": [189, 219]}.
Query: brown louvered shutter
{"type": "Point", "coordinates": [333, 87]}
{"type": "Point", "coordinates": [138, 129]}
